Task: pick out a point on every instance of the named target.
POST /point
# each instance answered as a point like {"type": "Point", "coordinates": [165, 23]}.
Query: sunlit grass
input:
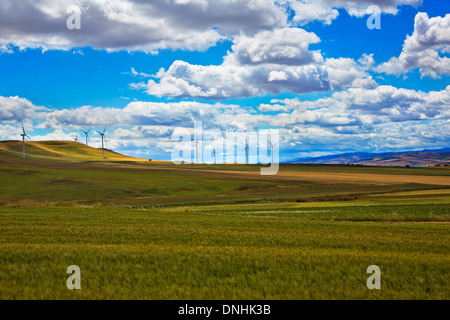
{"type": "Point", "coordinates": [220, 253]}
{"type": "Point", "coordinates": [145, 230]}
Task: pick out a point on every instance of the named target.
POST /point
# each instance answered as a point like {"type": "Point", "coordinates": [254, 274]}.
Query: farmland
{"type": "Point", "coordinates": [154, 230]}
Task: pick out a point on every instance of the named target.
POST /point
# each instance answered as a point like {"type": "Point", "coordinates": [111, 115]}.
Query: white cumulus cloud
{"type": "Point", "coordinates": [269, 62]}
{"type": "Point", "coordinates": [423, 49]}
{"type": "Point", "coordinates": [326, 10]}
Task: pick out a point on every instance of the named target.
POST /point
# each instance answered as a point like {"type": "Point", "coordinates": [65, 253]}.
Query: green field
{"type": "Point", "coordinates": [141, 230]}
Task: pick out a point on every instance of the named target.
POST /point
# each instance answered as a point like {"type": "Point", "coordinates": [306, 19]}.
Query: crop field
{"type": "Point", "coordinates": [154, 230]}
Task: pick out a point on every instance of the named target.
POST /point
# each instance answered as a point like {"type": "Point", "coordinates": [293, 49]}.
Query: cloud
{"type": "Point", "coordinates": [286, 46]}
{"type": "Point", "coordinates": [15, 109]}
{"type": "Point", "coordinates": [56, 135]}
{"type": "Point", "coordinates": [269, 62]}
{"type": "Point", "coordinates": [273, 107]}
{"type": "Point", "coordinates": [346, 72]}
{"type": "Point", "coordinates": [326, 11]}
{"type": "Point", "coordinates": [351, 107]}
{"type": "Point", "coordinates": [5, 49]}
{"type": "Point", "coordinates": [133, 24]}
{"type": "Point", "coordinates": [277, 75]}
{"type": "Point", "coordinates": [149, 26]}
{"type": "Point", "coordinates": [304, 141]}
{"type": "Point", "coordinates": [136, 113]}
{"type": "Point", "coordinates": [135, 73]}
{"type": "Point", "coordinates": [381, 118]}
{"type": "Point", "coordinates": [365, 107]}
{"type": "Point", "coordinates": [232, 80]}
{"type": "Point", "coordinates": [422, 50]}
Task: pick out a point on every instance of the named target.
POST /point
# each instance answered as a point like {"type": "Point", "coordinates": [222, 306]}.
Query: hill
{"type": "Point", "coordinates": [60, 150]}
{"type": "Point", "coordinates": [412, 158]}
{"type": "Point", "coordinates": [70, 173]}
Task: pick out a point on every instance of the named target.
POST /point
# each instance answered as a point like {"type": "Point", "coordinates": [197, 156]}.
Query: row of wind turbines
{"type": "Point", "coordinates": [102, 134]}
{"type": "Point", "coordinates": [246, 149]}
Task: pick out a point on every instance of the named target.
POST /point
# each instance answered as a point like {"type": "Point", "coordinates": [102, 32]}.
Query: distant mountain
{"type": "Point", "coordinates": [411, 158]}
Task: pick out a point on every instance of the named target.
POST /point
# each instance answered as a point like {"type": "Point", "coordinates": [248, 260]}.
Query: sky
{"type": "Point", "coordinates": [314, 70]}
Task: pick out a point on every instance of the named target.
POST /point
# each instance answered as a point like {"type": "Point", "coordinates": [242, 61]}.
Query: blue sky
{"type": "Point", "coordinates": [311, 69]}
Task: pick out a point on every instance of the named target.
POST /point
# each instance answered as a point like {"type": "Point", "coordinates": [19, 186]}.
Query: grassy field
{"type": "Point", "coordinates": [226, 252]}
{"type": "Point", "coordinates": [141, 230]}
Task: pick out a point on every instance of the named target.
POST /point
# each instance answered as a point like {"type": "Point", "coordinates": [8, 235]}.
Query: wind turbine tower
{"type": "Point", "coordinates": [24, 134]}
{"type": "Point", "coordinates": [247, 148]}
{"type": "Point", "coordinates": [271, 149]}
{"type": "Point", "coordinates": [196, 150]}
{"type": "Point", "coordinates": [103, 136]}
{"type": "Point", "coordinates": [86, 133]}
{"type": "Point", "coordinates": [214, 153]}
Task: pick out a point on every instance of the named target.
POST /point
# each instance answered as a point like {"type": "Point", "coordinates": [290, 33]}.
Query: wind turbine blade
{"type": "Point", "coordinates": [28, 136]}
{"type": "Point", "coordinates": [23, 129]}
{"type": "Point", "coordinates": [104, 130]}
{"type": "Point", "coordinates": [88, 131]}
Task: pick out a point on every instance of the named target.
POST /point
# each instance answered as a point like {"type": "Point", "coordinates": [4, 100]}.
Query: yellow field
{"type": "Point", "coordinates": [366, 178]}
{"type": "Point", "coordinates": [69, 150]}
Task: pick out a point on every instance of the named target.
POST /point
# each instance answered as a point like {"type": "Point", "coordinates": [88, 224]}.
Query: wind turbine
{"type": "Point", "coordinates": [86, 133]}
{"type": "Point", "coordinates": [196, 150]}
{"type": "Point", "coordinates": [24, 134]}
{"type": "Point", "coordinates": [76, 137]}
{"type": "Point", "coordinates": [103, 136]}
{"type": "Point", "coordinates": [247, 148]}
{"type": "Point", "coordinates": [271, 149]}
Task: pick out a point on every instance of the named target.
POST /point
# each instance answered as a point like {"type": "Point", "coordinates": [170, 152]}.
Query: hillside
{"type": "Point", "coordinates": [60, 150]}
{"type": "Point", "coordinates": [412, 158]}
